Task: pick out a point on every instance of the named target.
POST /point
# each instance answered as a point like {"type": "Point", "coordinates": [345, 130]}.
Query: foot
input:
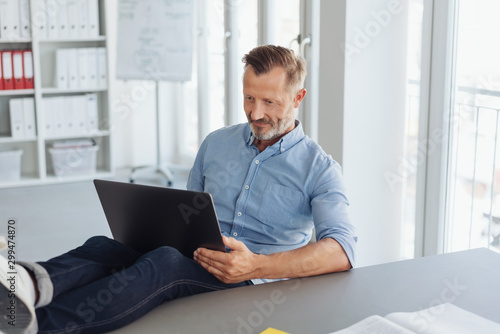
{"type": "Point", "coordinates": [17, 308]}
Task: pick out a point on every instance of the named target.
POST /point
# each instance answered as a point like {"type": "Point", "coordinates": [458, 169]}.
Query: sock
{"type": "Point", "coordinates": [25, 281]}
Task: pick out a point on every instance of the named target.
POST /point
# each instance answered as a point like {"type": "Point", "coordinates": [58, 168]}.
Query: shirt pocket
{"type": "Point", "coordinates": [280, 205]}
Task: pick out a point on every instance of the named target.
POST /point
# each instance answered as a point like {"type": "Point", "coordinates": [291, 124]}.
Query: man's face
{"type": "Point", "coordinates": [269, 105]}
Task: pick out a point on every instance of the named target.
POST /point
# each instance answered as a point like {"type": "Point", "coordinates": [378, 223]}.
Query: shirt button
{"type": "Point", "coordinates": [282, 150]}
{"type": "Point", "coordinates": [239, 214]}
{"type": "Point", "coordinates": [235, 234]}
{"type": "Point", "coordinates": [247, 187]}
{"type": "Point", "coordinates": [257, 162]}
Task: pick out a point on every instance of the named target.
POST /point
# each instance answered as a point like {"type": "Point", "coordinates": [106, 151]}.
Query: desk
{"type": "Point", "coordinates": [321, 304]}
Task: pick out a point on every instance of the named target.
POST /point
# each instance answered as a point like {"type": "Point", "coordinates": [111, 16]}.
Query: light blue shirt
{"type": "Point", "coordinates": [272, 200]}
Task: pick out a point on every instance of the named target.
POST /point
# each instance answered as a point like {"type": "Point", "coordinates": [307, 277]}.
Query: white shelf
{"type": "Point", "coordinates": [53, 90]}
{"type": "Point", "coordinates": [16, 92]}
{"type": "Point", "coordinates": [36, 161]}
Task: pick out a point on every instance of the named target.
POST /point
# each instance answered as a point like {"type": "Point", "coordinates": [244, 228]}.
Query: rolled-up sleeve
{"type": "Point", "coordinates": [330, 209]}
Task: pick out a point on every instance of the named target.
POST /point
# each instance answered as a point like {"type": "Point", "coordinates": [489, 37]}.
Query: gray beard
{"type": "Point", "coordinates": [275, 131]}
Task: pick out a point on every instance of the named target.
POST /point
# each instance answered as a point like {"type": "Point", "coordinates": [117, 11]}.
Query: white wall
{"type": "Point", "coordinates": [369, 101]}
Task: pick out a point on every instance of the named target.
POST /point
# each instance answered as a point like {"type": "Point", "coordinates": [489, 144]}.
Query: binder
{"type": "Point", "coordinates": [83, 18]}
{"type": "Point", "coordinates": [93, 17]}
{"type": "Point", "coordinates": [83, 68]}
{"type": "Point", "coordinates": [79, 104]}
{"type": "Point", "coordinates": [29, 117]}
{"type": "Point", "coordinates": [52, 8]}
{"type": "Point", "coordinates": [40, 20]}
{"type": "Point", "coordinates": [62, 20]}
{"type": "Point", "coordinates": [92, 67]}
{"type": "Point", "coordinates": [48, 117]}
{"type": "Point", "coordinates": [24, 16]}
{"type": "Point", "coordinates": [18, 69]}
{"type": "Point", "coordinates": [73, 70]}
{"type": "Point", "coordinates": [58, 116]}
{"type": "Point", "coordinates": [16, 118]}
{"type": "Point", "coordinates": [28, 69]}
{"type": "Point", "coordinates": [12, 31]}
{"type": "Point", "coordinates": [3, 19]}
{"type": "Point", "coordinates": [8, 82]}
{"type": "Point", "coordinates": [102, 68]}
{"type": "Point", "coordinates": [68, 116]}
{"type": "Point", "coordinates": [92, 113]}
{"type": "Point", "coordinates": [1, 75]}
{"type": "Point", "coordinates": [62, 68]}
{"type": "Point", "coordinates": [72, 17]}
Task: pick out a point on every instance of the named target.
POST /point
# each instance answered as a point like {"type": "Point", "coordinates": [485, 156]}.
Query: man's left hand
{"type": "Point", "coordinates": [236, 266]}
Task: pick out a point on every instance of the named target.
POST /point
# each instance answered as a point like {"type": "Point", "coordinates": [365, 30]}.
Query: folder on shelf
{"type": "Point", "coordinates": [102, 68]}
{"type": "Point", "coordinates": [52, 8]}
{"type": "Point", "coordinates": [62, 20]}
{"type": "Point", "coordinates": [40, 20]}
{"type": "Point", "coordinates": [18, 69]}
{"type": "Point", "coordinates": [83, 18]}
{"type": "Point", "coordinates": [24, 18]}
{"type": "Point", "coordinates": [68, 116]}
{"type": "Point", "coordinates": [58, 116]}
{"type": "Point", "coordinates": [8, 82]}
{"type": "Point", "coordinates": [16, 118]}
{"type": "Point", "coordinates": [3, 19]}
{"type": "Point", "coordinates": [28, 69]}
{"type": "Point", "coordinates": [29, 117]}
{"type": "Point", "coordinates": [62, 69]}
{"type": "Point", "coordinates": [1, 73]}
{"type": "Point", "coordinates": [48, 117]}
{"type": "Point", "coordinates": [10, 29]}
{"type": "Point", "coordinates": [79, 104]}
{"type": "Point", "coordinates": [73, 70]}
{"type": "Point", "coordinates": [92, 67]}
{"type": "Point", "coordinates": [83, 68]}
{"type": "Point", "coordinates": [93, 17]}
{"type": "Point", "coordinates": [72, 15]}
{"type": "Point", "coordinates": [92, 113]}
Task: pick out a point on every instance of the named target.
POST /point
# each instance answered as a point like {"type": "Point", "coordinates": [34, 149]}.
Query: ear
{"type": "Point", "coordinates": [299, 97]}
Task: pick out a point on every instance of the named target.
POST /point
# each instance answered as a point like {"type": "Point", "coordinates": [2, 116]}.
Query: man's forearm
{"type": "Point", "coordinates": [324, 256]}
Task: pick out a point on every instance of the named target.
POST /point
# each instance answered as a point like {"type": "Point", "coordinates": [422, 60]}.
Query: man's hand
{"type": "Point", "coordinates": [237, 266]}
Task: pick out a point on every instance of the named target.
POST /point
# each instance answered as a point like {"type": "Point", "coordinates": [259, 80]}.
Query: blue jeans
{"type": "Point", "coordinates": [104, 285]}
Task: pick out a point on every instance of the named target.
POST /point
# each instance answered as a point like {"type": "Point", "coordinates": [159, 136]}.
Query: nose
{"type": "Point", "coordinates": [258, 111]}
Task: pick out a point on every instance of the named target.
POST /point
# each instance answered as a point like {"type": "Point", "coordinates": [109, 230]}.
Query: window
{"type": "Point", "coordinates": [473, 188]}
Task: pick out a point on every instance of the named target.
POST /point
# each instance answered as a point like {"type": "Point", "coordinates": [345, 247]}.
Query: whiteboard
{"type": "Point", "coordinates": [155, 40]}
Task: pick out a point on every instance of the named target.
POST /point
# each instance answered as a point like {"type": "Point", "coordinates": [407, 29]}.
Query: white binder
{"type": "Point", "coordinates": [93, 16]}
{"type": "Point", "coordinates": [13, 30]}
{"type": "Point", "coordinates": [92, 113]}
{"type": "Point", "coordinates": [69, 116]}
{"type": "Point", "coordinates": [58, 116]}
{"type": "Point", "coordinates": [62, 68]}
{"type": "Point", "coordinates": [73, 70]}
{"type": "Point", "coordinates": [24, 18]}
{"type": "Point", "coordinates": [80, 104]}
{"type": "Point", "coordinates": [102, 68]}
{"type": "Point", "coordinates": [29, 117]}
{"type": "Point", "coordinates": [83, 18]}
{"type": "Point", "coordinates": [16, 118]}
{"type": "Point", "coordinates": [48, 117]}
{"type": "Point", "coordinates": [52, 8]}
{"type": "Point", "coordinates": [83, 68]}
{"type": "Point", "coordinates": [92, 68]}
{"type": "Point", "coordinates": [40, 20]}
{"type": "Point", "coordinates": [62, 20]}
{"type": "Point", "coordinates": [72, 7]}
{"type": "Point", "coordinates": [3, 19]}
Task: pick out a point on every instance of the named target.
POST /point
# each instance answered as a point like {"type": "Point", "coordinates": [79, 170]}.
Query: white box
{"type": "Point", "coordinates": [75, 160]}
{"type": "Point", "coordinates": [10, 165]}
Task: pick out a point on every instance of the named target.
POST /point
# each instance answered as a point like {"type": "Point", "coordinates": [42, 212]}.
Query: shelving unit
{"type": "Point", "coordinates": [36, 163]}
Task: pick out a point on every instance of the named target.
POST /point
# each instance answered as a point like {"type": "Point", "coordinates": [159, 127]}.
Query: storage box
{"type": "Point", "coordinates": [10, 165]}
{"type": "Point", "coordinates": [74, 160]}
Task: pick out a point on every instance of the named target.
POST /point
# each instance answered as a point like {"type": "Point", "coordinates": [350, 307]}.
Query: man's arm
{"type": "Point", "coordinates": [324, 256]}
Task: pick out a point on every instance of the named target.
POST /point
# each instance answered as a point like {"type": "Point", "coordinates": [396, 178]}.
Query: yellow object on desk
{"type": "Point", "coordinates": [273, 331]}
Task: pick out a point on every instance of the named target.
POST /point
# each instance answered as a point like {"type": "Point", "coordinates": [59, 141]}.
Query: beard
{"type": "Point", "coordinates": [277, 129]}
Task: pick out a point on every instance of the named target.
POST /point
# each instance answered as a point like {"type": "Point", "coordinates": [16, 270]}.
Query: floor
{"type": "Point", "coordinates": [52, 219]}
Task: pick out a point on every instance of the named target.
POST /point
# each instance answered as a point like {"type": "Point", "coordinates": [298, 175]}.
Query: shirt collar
{"type": "Point", "coordinates": [285, 142]}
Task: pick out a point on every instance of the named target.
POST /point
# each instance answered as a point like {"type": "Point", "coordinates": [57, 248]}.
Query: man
{"type": "Point", "coordinates": [271, 185]}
